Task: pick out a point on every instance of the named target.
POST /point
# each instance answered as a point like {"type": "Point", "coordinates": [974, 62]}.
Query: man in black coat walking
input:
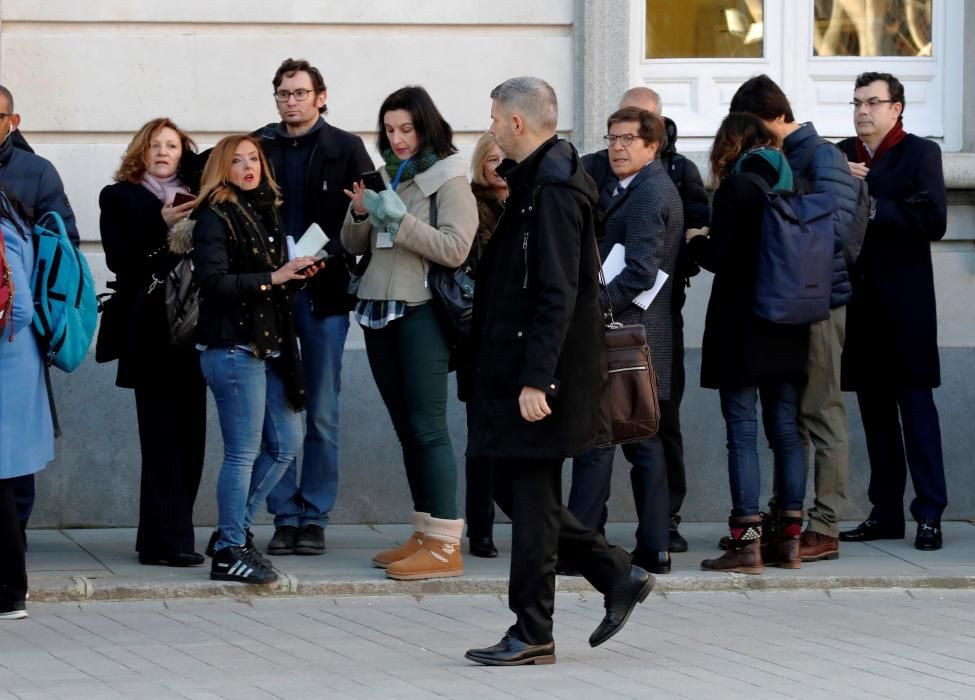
{"type": "Point", "coordinates": [538, 357]}
{"type": "Point", "coordinates": [891, 354]}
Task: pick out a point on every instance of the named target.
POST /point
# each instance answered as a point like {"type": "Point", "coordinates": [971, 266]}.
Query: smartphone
{"type": "Point", "coordinates": [374, 181]}
{"type": "Point", "coordinates": [182, 198]}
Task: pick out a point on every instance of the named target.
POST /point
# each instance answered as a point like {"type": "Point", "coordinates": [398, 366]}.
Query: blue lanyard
{"type": "Point", "coordinates": [399, 173]}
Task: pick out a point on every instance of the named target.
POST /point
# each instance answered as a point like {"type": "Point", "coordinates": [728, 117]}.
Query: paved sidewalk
{"type": "Point", "coordinates": [710, 645]}
{"type": "Point", "coordinates": [76, 565]}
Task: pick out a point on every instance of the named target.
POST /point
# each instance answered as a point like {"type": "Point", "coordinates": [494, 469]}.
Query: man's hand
{"type": "Point", "coordinates": [858, 170]}
{"type": "Point", "coordinates": [693, 232]}
{"type": "Point", "coordinates": [533, 404]}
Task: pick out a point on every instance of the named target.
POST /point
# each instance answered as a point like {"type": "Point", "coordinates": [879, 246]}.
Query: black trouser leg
{"type": "Point", "coordinates": [648, 477]}
{"type": "Point", "coordinates": [885, 449]}
{"type": "Point", "coordinates": [530, 492]}
{"type": "Point", "coordinates": [13, 567]}
{"type": "Point", "coordinates": [479, 499]}
{"type": "Point", "coordinates": [592, 476]}
{"type": "Point", "coordinates": [172, 434]}
{"type": "Point", "coordinates": [669, 431]}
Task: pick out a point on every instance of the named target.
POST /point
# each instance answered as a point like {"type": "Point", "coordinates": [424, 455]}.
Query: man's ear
{"type": "Point", "coordinates": [14, 122]}
{"type": "Point", "coordinates": [518, 124]}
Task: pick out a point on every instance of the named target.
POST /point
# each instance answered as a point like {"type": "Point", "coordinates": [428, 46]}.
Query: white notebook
{"type": "Point", "coordinates": [311, 243]}
{"type": "Point", "coordinates": [614, 264]}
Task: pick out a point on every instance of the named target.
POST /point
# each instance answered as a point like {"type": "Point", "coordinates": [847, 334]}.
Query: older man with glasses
{"type": "Point", "coordinates": [891, 354]}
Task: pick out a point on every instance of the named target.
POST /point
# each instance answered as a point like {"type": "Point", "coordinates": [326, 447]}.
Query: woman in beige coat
{"type": "Point", "coordinates": [405, 338]}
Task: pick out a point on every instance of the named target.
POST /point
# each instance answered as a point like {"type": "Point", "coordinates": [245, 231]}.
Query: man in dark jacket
{"type": "Point", "coordinates": [538, 356]}
{"type": "Point", "coordinates": [313, 162]}
{"type": "Point", "coordinates": [36, 183]}
{"type": "Point", "coordinates": [891, 354]}
{"type": "Point", "coordinates": [697, 214]}
{"type": "Point", "coordinates": [820, 167]}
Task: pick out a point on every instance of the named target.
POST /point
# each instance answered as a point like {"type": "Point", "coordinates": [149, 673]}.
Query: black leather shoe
{"type": "Point", "coordinates": [483, 547]}
{"type": "Point", "coordinates": [511, 651]}
{"type": "Point", "coordinates": [284, 540]}
{"type": "Point", "coordinates": [311, 540]}
{"type": "Point", "coordinates": [654, 562]}
{"type": "Point", "coordinates": [620, 601]}
{"type": "Point", "coordinates": [677, 542]}
{"type": "Point", "coordinates": [928, 535]}
{"type": "Point", "coordinates": [564, 568]}
{"type": "Point", "coordinates": [870, 530]}
{"type": "Point", "coordinates": [179, 559]}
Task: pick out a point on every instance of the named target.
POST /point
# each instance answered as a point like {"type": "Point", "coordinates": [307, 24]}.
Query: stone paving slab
{"type": "Point", "coordinates": [101, 564]}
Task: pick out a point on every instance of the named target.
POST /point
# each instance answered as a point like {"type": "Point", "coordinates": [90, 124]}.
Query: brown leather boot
{"type": "Point", "coordinates": [814, 546]}
{"type": "Point", "coordinates": [744, 554]}
{"type": "Point", "coordinates": [439, 557]}
{"type": "Point", "coordinates": [782, 543]}
{"type": "Point", "coordinates": [388, 556]}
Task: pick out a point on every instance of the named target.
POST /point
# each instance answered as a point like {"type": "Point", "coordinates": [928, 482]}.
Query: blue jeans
{"type": "Point", "coordinates": [780, 406]}
{"type": "Point", "coordinates": [322, 343]}
{"type": "Point", "coordinates": [261, 435]}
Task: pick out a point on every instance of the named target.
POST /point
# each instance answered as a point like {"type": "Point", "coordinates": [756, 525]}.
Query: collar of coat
{"type": "Point", "coordinates": [433, 178]}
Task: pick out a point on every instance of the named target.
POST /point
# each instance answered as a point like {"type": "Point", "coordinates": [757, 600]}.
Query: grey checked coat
{"type": "Point", "coordinates": [647, 218]}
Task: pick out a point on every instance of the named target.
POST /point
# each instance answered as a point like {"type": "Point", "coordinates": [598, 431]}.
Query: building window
{"type": "Point", "coordinates": [704, 29]}
{"type": "Point", "coordinates": [872, 28]}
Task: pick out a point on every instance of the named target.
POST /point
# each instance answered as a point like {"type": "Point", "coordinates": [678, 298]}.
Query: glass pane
{"type": "Point", "coordinates": [705, 28]}
{"type": "Point", "coordinates": [872, 28]}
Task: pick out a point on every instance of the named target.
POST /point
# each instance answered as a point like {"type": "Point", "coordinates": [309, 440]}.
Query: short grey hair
{"type": "Point", "coordinates": [532, 98]}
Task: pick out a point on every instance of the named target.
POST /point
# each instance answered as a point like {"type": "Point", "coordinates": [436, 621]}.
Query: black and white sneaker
{"type": "Point", "coordinates": [240, 564]}
{"type": "Point", "coordinates": [248, 545]}
{"type": "Point", "coordinates": [10, 610]}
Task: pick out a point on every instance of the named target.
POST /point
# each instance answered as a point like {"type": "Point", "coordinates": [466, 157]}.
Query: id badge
{"type": "Point", "coordinates": [384, 239]}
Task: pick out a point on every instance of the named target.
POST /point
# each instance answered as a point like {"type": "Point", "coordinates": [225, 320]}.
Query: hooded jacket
{"type": "Point", "coordinates": [537, 315]}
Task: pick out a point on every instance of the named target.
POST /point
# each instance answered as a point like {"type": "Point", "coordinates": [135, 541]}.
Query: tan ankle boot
{"type": "Point", "coordinates": [744, 555]}
{"type": "Point", "coordinates": [388, 556]}
{"type": "Point", "coordinates": [438, 557]}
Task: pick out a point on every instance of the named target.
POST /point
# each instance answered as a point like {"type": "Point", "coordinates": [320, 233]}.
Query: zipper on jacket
{"type": "Point", "coordinates": [524, 255]}
{"type": "Point", "coordinates": [637, 368]}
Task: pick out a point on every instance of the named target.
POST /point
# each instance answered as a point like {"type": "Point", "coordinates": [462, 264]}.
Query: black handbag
{"type": "Point", "coordinates": [452, 289]}
{"type": "Point", "coordinates": [111, 330]}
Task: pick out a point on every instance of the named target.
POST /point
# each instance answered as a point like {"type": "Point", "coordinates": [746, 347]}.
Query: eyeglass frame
{"type": "Point", "coordinates": [626, 139]}
{"type": "Point", "coordinates": [871, 104]}
{"type": "Point", "coordinates": [288, 94]}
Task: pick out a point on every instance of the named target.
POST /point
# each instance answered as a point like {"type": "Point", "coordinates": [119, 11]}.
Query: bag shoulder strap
{"type": "Point", "coordinates": [433, 209]}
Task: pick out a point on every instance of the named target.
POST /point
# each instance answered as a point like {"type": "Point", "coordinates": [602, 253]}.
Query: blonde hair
{"type": "Point", "coordinates": [216, 187]}
{"type": "Point", "coordinates": [481, 150]}
{"type": "Point", "coordinates": [133, 165]}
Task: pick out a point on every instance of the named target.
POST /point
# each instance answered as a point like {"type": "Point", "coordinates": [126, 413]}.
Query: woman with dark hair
{"type": "Point", "coordinates": [246, 332]}
{"type": "Point", "coordinates": [745, 357]}
{"type": "Point", "coordinates": [646, 218]}
{"type": "Point", "coordinates": [26, 430]}
{"type": "Point", "coordinates": [140, 218]}
{"type": "Point", "coordinates": [425, 215]}
{"type": "Point", "coordinates": [490, 190]}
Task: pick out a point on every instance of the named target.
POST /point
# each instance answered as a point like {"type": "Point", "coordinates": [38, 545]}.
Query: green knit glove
{"type": "Point", "coordinates": [394, 209]}
{"type": "Point", "coordinates": [374, 205]}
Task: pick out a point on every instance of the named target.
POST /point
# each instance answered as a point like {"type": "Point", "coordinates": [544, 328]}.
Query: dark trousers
{"type": "Point", "coordinates": [592, 473]}
{"type": "Point", "coordinates": [24, 493]}
{"type": "Point", "coordinates": [171, 411]}
{"type": "Point", "coordinates": [409, 359]}
{"type": "Point", "coordinates": [669, 428]}
{"type": "Point", "coordinates": [13, 567]}
{"type": "Point", "coordinates": [530, 493]}
{"type": "Point", "coordinates": [903, 432]}
{"type": "Point", "coordinates": [479, 499]}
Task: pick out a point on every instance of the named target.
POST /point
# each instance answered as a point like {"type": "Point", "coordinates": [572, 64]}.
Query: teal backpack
{"type": "Point", "coordinates": [65, 305]}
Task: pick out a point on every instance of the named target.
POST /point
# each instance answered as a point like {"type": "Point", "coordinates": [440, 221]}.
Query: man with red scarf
{"type": "Point", "coordinates": [891, 354]}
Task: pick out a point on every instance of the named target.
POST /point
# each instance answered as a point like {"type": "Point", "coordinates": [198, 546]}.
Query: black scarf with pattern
{"type": "Point", "coordinates": [255, 227]}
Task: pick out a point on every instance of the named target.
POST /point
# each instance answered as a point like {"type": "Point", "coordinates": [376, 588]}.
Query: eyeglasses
{"type": "Point", "coordinates": [4, 115]}
{"type": "Point", "coordinates": [872, 103]}
{"type": "Point", "coordinates": [625, 139]}
{"type": "Point", "coordinates": [301, 94]}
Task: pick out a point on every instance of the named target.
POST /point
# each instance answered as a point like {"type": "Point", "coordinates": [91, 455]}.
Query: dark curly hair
{"type": "Point", "coordinates": [739, 132]}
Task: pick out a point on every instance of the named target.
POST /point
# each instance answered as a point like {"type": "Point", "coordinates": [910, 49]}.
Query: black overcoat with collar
{"type": "Point", "coordinates": [537, 315]}
{"type": "Point", "coordinates": [892, 319]}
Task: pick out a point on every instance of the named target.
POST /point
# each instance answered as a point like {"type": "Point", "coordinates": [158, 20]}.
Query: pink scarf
{"type": "Point", "coordinates": [166, 189]}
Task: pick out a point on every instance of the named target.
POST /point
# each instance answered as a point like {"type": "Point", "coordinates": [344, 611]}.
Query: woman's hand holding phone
{"type": "Point", "coordinates": [174, 213]}
{"type": "Point", "coordinates": [297, 269]}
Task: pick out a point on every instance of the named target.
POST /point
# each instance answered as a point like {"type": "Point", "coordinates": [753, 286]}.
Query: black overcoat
{"type": "Point", "coordinates": [892, 320]}
{"type": "Point", "coordinates": [739, 349]}
{"type": "Point", "coordinates": [133, 236]}
{"type": "Point", "coordinates": [537, 317]}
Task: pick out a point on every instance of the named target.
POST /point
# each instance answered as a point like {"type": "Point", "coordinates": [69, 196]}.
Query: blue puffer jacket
{"type": "Point", "coordinates": [827, 171]}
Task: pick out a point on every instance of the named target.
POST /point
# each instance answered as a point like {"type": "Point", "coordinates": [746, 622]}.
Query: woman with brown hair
{"type": "Point", "coordinates": [138, 215]}
{"type": "Point", "coordinates": [747, 358]}
{"type": "Point", "coordinates": [246, 332]}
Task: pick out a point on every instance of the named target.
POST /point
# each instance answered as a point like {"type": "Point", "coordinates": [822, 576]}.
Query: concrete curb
{"type": "Point", "coordinates": [81, 589]}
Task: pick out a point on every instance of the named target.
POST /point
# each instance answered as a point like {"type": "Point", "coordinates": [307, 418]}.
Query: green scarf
{"type": "Point", "coordinates": [417, 164]}
{"type": "Point", "coordinates": [776, 159]}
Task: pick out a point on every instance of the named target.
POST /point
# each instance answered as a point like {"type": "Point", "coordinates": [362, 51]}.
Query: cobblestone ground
{"type": "Point", "coordinates": [803, 644]}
